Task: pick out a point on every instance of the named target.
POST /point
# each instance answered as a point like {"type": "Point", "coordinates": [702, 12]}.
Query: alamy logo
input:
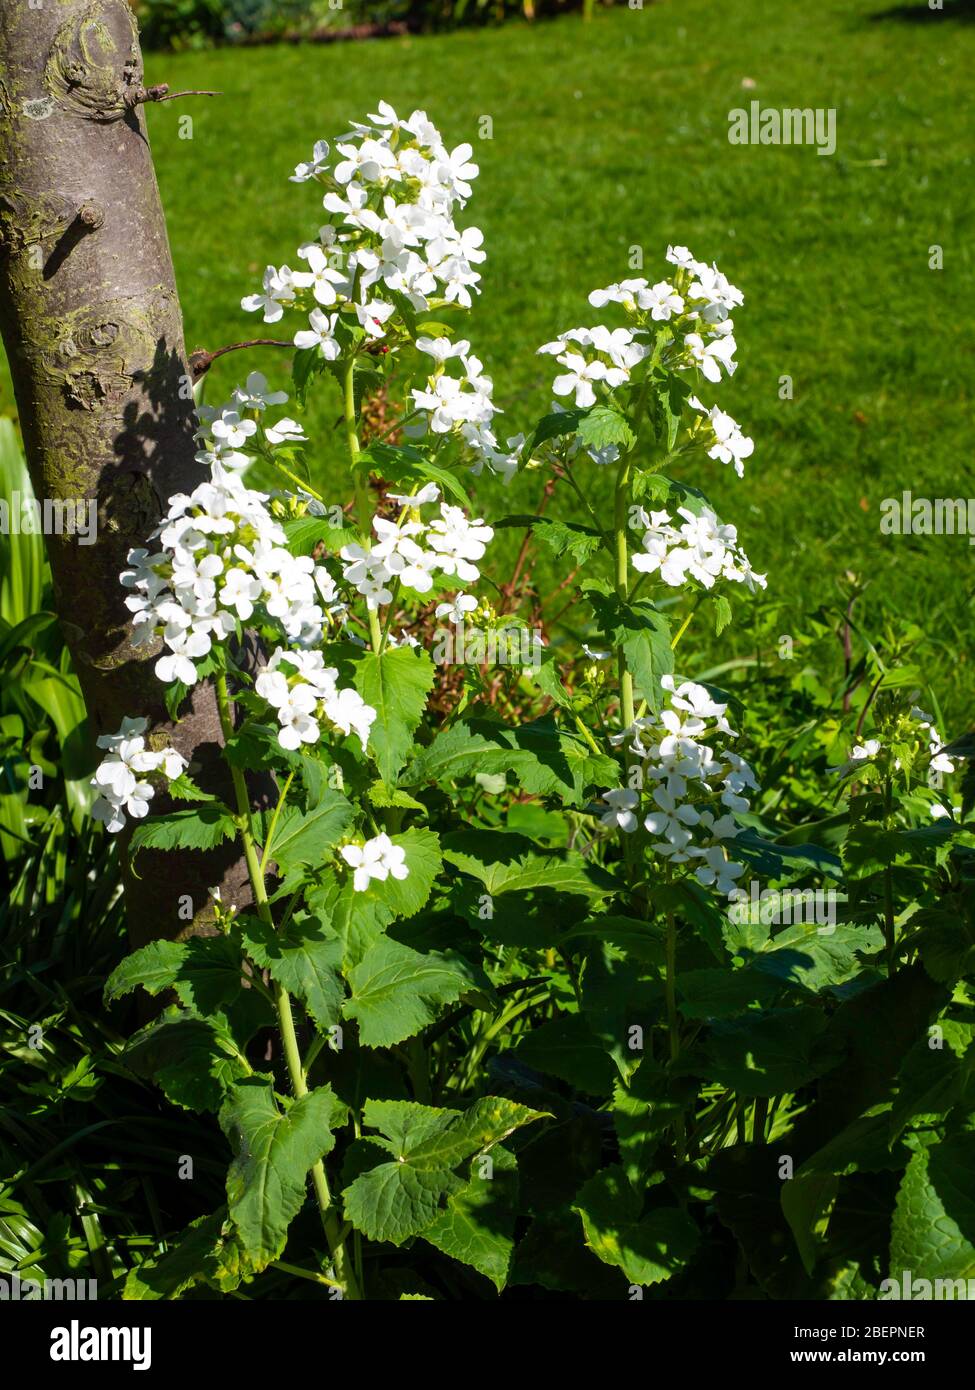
{"type": "Point", "coordinates": [54, 516]}
{"type": "Point", "coordinates": [908, 515]}
{"type": "Point", "coordinates": [17, 1290]}
{"type": "Point", "coordinates": [76, 1343]}
{"type": "Point", "coordinates": [787, 907]}
{"type": "Point", "coordinates": [791, 126]}
{"type": "Point", "coordinates": [507, 646]}
{"type": "Point", "coordinates": [927, 1290]}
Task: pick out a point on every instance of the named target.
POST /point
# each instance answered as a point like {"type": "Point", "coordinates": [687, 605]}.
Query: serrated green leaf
{"type": "Point", "coordinates": [478, 1223]}
{"type": "Point", "coordinates": [644, 636]}
{"type": "Point", "coordinates": [305, 958]}
{"type": "Point", "coordinates": [510, 863]}
{"type": "Point", "coordinates": [205, 971]}
{"type": "Point", "coordinates": [562, 537]}
{"type": "Point", "coordinates": [194, 1061]}
{"type": "Point", "coordinates": [201, 828]}
{"type": "Point", "coordinates": [273, 1151]}
{"type": "Point", "coordinates": [304, 837]}
{"type": "Point", "coordinates": [393, 1201]}
{"type": "Point", "coordinates": [932, 1233]}
{"type": "Point", "coordinates": [396, 991]}
{"type": "Point", "coordinates": [396, 682]}
{"type": "Point", "coordinates": [648, 1249]}
{"type": "Point", "coordinates": [602, 426]}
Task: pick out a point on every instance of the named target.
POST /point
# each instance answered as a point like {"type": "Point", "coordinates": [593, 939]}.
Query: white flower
{"type": "Point", "coordinates": [378, 858]}
{"type": "Point", "coordinates": [349, 712]}
{"type": "Point", "coordinates": [720, 296]}
{"type": "Point", "coordinates": [285, 431]}
{"type": "Point", "coordinates": [455, 169]}
{"type": "Point", "coordinates": [321, 277]}
{"type": "Point", "coordinates": [718, 870]}
{"type": "Point", "coordinates": [458, 541]}
{"type": "Point", "coordinates": [456, 610]}
{"type": "Point", "coordinates": [579, 378]}
{"type": "Point", "coordinates": [663, 301]}
{"type": "Point", "coordinates": [625, 293]}
{"type": "Point", "coordinates": [372, 316]}
{"type": "Point", "coordinates": [121, 792]}
{"type": "Point", "coordinates": [622, 805]}
{"type": "Point", "coordinates": [440, 349]}
{"type": "Point", "coordinates": [278, 290]}
{"type": "Point", "coordinates": [711, 357]}
{"type": "Point", "coordinates": [321, 334]}
{"type": "Point", "coordinates": [680, 256]}
{"type": "Point", "coordinates": [255, 395]}
{"type": "Point", "coordinates": [315, 166]}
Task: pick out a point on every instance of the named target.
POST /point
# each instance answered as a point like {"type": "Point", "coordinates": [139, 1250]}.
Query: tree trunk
{"type": "Point", "coordinates": [91, 323]}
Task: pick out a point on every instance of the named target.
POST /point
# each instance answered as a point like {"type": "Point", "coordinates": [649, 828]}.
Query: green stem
{"type": "Point", "coordinates": [622, 506]}
{"type": "Point", "coordinates": [274, 820]}
{"type": "Point", "coordinates": [282, 999]}
{"type": "Point", "coordinates": [673, 1022]}
{"type": "Point", "coordinates": [362, 504]}
{"type": "Point", "coordinates": [889, 925]}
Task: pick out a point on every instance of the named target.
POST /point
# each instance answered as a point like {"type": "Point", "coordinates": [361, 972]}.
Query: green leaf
{"type": "Point", "coordinates": [303, 957]}
{"type": "Point", "coordinates": [397, 1200]}
{"type": "Point", "coordinates": [273, 1151]}
{"type": "Point", "coordinates": [670, 394]}
{"type": "Point", "coordinates": [207, 1252]}
{"type": "Point", "coordinates": [396, 682]}
{"type": "Point", "coordinates": [562, 537]}
{"type": "Point", "coordinates": [602, 426]}
{"type": "Point", "coordinates": [509, 863]}
{"type": "Point", "coordinates": [644, 635]}
{"type": "Point", "coordinates": [560, 422]}
{"type": "Point", "coordinates": [567, 1048]}
{"type": "Point", "coordinates": [205, 971]}
{"type": "Point", "coordinates": [303, 837]}
{"type": "Point", "coordinates": [402, 464]}
{"type": "Point", "coordinates": [805, 1202]}
{"type": "Point", "coordinates": [764, 1054]}
{"type": "Point", "coordinates": [183, 788]}
{"type": "Point", "coordinates": [478, 1223]}
{"type": "Point", "coordinates": [722, 613]}
{"type": "Point", "coordinates": [305, 533]}
{"type": "Point", "coordinates": [397, 991]}
{"type": "Point", "coordinates": [544, 759]}
{"type": "Point", "coordinates": [805, 956]}
{"type": "Point", "coordinates": [194, 1061]}
{"type": "Point", "coordinates": [933, 1229]}
{"type": "Point", "coordinates": [648, 1249]}
{"type": "Point", "coordinates": [202, 828]}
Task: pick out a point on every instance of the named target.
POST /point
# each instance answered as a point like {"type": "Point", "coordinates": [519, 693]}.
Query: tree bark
{"type": "Point", "coordinates": [91, 323]}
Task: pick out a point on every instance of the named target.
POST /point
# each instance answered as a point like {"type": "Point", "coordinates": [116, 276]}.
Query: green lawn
{"type": "Point", "coordinates": [616, 134]}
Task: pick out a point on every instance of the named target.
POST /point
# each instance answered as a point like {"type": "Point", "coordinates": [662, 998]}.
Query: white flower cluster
{"type": "Point", "coordinates": [302, 691]}
{"type": "Point", "coordinates": [700, 547]}
{"type": "Point", "coordinates": [232, 435]}
{"type": "Point", "coordinates": [940, 762]}
{"type": "Point", "coordinates": [462, 406]}
{"type": "Point", "coordinates": [223, 556]}
{"type": "Point", "coordinates": [412, 549]}
{"type": "Point", "coordinates": [392, 191]}
{"type": "Point", "coordinates": [696, 791]}
{"type": "Point", "coordinates": [378, 858]}
{"type": "Point", "coordinates": [612, 353]}
{"type": "Point", "coordinates": [694, 312]}
{"type": "Point", "coordinates": [871, 748]}
{"type": "Point", "coordinates": [118, 780]}
{"type": "Point", "coordinates": [730, 445]}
